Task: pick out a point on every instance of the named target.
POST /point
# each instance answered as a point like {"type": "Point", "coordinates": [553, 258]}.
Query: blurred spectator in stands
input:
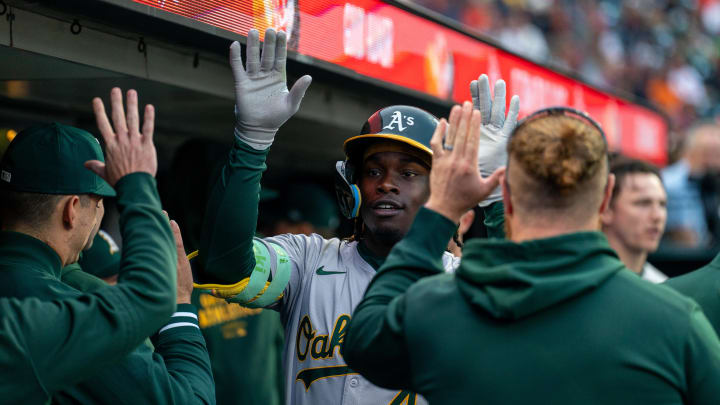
{"type": "Point", "coordinates": [635, 220]}
{"type": "Point", "coordinates": [523, 37]}
{"type": "Point", "coordinates": [665, 51]}
{"type": "Point", "coordinates": [693, 187]}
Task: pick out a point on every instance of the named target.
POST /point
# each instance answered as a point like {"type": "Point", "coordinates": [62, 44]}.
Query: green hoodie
{"type": "Point", "coordinates": [702, 285]}
{"type": "Point", "coordinates": [556, 321]}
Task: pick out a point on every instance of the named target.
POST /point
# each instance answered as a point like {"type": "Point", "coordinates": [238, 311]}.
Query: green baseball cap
{"type": "Point", "coordinates": [49, 159]}
{"type": "Point", "coordinates": [103, 258]}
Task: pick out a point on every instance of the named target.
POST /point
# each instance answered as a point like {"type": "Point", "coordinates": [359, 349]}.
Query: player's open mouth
{"type": "Point", "coordinates": [386, 208]}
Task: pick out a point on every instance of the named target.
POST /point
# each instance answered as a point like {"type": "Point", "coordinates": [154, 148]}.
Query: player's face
{"type": "Point", "coordinates": [637, 215]}
{"type": "Point", "coordinates": [393, 186]}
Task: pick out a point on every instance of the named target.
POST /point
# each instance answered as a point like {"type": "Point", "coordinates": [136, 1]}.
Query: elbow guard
{"type": "Point", "coordinates": [256, 291]}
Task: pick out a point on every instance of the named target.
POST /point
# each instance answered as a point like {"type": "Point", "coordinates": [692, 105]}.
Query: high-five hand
{"type": "Point", "coordinates": [262, 100]}
{"type": "Point", "coordinates": [184, 273]}
{"type": "Point", "coordinates": [127, 148]}
{"type": "Point", "coordinates": [456, 184]}
{"type": "Point", "coordinates": [495, 129]}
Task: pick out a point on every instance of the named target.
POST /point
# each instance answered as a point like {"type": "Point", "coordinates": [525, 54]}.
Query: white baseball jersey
{"type": "Point", "coordinates": [327, 281]}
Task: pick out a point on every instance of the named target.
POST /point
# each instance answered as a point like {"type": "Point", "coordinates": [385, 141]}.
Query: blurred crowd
{"type": "Point", "coordinates": [664, 51]}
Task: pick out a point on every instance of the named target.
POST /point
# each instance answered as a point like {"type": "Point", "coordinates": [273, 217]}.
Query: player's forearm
{"type": "Point", "coordinates": [48, 347]}
{"type": "Point", "coordinates": [177, 372]}
{"type": "Point", "coordinates": [226, 254]}
{"type": "Point", "coordinates": [374, 344]}
{"type": "Point", "coordinates": [148, 275]}
{"type": "Point", "coordinates": [184, 369]}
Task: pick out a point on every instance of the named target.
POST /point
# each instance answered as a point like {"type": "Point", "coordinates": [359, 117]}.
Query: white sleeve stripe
{"type": "Point", "coordinates": [187, 314]}
{"type": "Point", "coordinates": [176, 325]}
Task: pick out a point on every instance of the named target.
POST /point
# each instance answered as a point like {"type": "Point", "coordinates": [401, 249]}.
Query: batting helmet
{"type": "Point", "coordinates": [409, 125]}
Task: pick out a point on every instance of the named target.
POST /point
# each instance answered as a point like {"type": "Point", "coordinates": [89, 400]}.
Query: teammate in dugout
{"type": "Point", "coordinates": [45, 345]}
{"type": "Point", "coordinates": [549, 315]}
{"type": "Point", "coordinates": [51, 212]}
{"type": "Point", "coordinates": [314, 282]}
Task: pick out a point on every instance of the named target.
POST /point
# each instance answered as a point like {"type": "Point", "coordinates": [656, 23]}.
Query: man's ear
{"type": "Point", "coordinates": [606, 217]}
{"type": "Point", "coordinates": [605, 206]}
{"type": "Point", "coordinates": [506, 193]}
{"type": "Point", "coordinates": [70, 206]}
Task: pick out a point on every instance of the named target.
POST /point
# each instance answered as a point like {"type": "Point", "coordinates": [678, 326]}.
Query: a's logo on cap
{"type": "Point", "coordinates": [5, 176]}
{"type": "Point", "coordinates": [114, 248]}
{"type": "Point", "coordinates": [397, 119]}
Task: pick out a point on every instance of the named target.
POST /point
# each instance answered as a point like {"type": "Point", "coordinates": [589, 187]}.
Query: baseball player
{"type": "Point", "coordinates": [314, 282]}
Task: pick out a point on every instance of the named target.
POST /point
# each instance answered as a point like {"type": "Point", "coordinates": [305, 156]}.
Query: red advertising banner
{"type": "Point", "coordinates": [388, 43]}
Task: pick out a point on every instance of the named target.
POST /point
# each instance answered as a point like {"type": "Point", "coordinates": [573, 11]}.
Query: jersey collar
{"type": "Point", "coordinates": [24, 250]}
{"type": "Point", "coordinates": [374, 261]}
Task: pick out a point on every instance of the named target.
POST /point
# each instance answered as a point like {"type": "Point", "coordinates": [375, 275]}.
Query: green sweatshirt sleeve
{"type": "Point", "coordinates": [374, 345]}
{"type": "Point", "coordinates": [46, 346]}
{"type": "Point", "coordinates": [185, 366]}
{"type": "Point", "coordinates": [226, 247]}
{"type": "Point", "coordinates": [702, 361]}
{"type": "Point", "coordinates": [703, 286]}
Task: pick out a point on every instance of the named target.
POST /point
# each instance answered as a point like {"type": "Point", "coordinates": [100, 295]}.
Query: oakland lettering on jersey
{"type": "Point", "coordinates": [308, 341]}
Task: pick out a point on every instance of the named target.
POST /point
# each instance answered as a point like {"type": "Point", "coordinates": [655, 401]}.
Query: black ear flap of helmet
{"type": "Point", "coordinates": [348, 194]}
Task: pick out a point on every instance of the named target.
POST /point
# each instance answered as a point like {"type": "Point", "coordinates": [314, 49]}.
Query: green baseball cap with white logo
{"type": "Point", "coordinates": [49, 159]}
{"type": "Point", "coordinates": [103, 258]}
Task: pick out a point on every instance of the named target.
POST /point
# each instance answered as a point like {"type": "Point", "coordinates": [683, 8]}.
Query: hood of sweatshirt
{"type": "Point", "coordinates": [512, 280]}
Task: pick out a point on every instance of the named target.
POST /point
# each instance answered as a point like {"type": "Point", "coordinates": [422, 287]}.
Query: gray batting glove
{"type": "Point", "coordinates": [262, 100]}
{"type": "Point", "coordinates": [495, 128]}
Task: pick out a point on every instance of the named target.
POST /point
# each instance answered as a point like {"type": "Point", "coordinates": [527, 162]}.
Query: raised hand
{"type": "Point", "coordinates": [262, 100]}
{"type": "Point", "coordinates": [495, 129]}
{"type": "Point", "coordinates": [456, 243]}
{"type": "Point", "coordinates": [127, 148]}
{"type": "Point", "coordinates": [456, 184]}
{"type": "Point", "coordinates": [184, 273]}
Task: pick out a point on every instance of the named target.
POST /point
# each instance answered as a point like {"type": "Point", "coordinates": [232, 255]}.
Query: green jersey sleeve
{"type": "Point", "coordinates": [226, 249]}
{"type": "Point", "coordinates": [233, 265]}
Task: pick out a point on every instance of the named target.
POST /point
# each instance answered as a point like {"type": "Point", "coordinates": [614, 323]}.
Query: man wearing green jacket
{"type": "Point", "coordinates": [44, 345]}
{"type": "Point", "coordinates": [51, 209]}
{"type": "Point", "coordinates": [550, 315]}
